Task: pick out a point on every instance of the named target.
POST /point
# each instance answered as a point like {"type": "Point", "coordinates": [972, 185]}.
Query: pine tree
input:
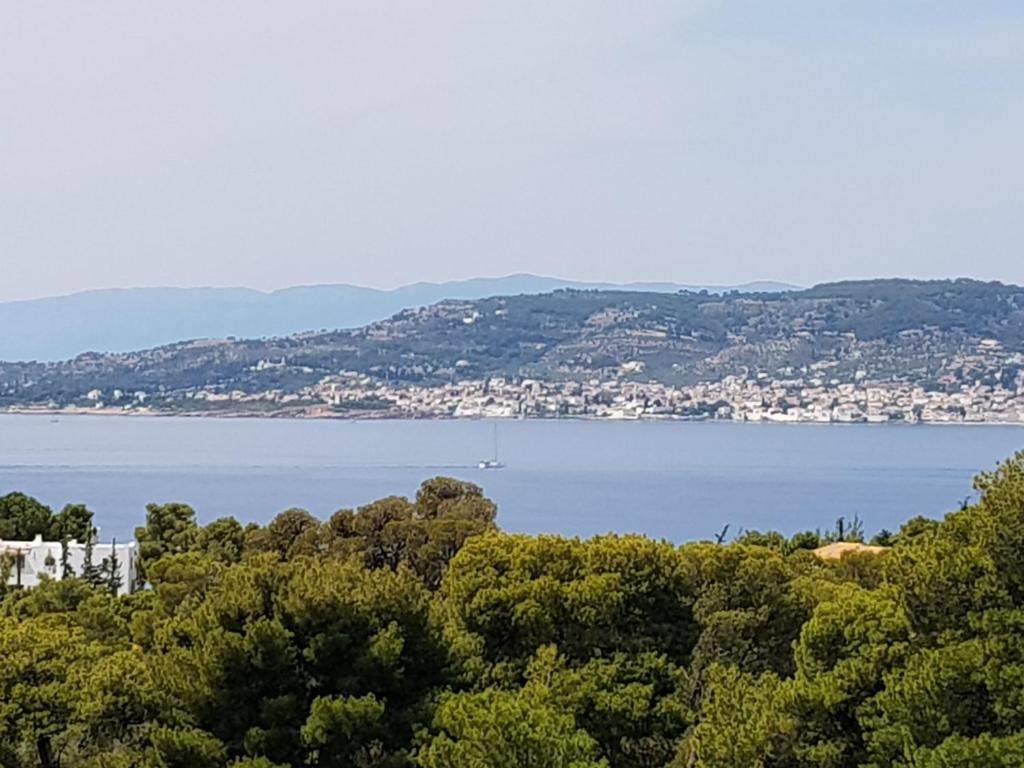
{"type": "Point", "coordinates": [66, 571]}
{"type": "Point", "coordinates": [112, 566]}
{"type": "Point", "coordinates": [92, 574]}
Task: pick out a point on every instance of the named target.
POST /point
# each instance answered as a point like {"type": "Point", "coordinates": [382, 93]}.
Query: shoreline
{"type": "Point", "coordinates": [306, 416]}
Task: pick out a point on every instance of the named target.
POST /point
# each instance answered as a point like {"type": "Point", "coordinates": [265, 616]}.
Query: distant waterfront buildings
{"type": "Point", "coordinates": [983, 385]}
{"type": "Point", "coordinates": [758, 399]}
{"type": "Point", "coordinates": [796, 400]}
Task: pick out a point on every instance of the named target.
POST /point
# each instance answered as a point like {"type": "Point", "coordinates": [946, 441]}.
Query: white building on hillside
{"type": "Point", "coordinates": [29, 562]}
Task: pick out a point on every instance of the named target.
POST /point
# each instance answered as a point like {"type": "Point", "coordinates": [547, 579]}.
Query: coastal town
{"type": "Point", "coordinates": [788, 401]}
{"type": "Point", "coordinates": [758, 398]}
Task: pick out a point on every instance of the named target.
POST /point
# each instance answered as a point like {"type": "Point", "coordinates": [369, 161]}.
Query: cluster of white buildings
{"type": "Point", "coordinates": [982, 384]}
{"type": "Point", "coordinates": [826, 402]}
{"type": "Point", "coordinates": [27, 563]}
{"type": "Point", "coordinates": [733, 398]}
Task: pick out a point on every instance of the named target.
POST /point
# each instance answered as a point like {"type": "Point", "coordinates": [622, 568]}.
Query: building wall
{"type": "Point", "coordinates": [40, 559]}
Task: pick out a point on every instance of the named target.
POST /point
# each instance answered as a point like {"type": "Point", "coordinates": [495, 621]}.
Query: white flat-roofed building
{"type": "Point", "coordinates": [30, 562]}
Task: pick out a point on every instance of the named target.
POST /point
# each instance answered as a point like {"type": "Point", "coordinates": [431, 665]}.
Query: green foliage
{"type": "Point", "coordinates": [504, 729]}
{"type": "Point", "coordinates": [73, 522]}
{"type": "Point", "coordinates": [292, 533]}
{"type": "Point", "coordinates": [113, 580]}
{"type": "Point", "coordinates": [22, 518]}
{"type": "Point", "coordinates": [926, 668]}
{"type": "Point", "coordinates": [984, 751]}
{"type": "Point", "coordinates": [282, 658]}
{"type": "Point", "coordinates": [223, 540]}
{"type": "Point", "coordinates": [423, 536]}
{"type": "Point", "coordinates": [170, 529]}
{"type": "Point", "coordinates": [414, 633]}
{"type": "Point", "coordinates": [345, 731]}
{"type": "Point", "coordinates": [55, 597]}
{"type": "Point", "coordinates": [743, 723]}
{"type": "Point", "coordinates": [92, 572]}
{"type": "Point", "coordinates": [634, 706]}
{"type": "Point", "coordinates": [38, 703]}
{"type": "Point", "coordinates": [507, 596]}
{"type": "Point", "coordinates": [186, 748]}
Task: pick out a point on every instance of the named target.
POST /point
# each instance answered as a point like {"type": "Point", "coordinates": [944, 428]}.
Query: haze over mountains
{"type": "Point", "coordinates": [119, 320]}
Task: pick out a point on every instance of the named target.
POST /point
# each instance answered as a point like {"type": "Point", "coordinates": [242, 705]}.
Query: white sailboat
{"type": "Point", "coordinates": [492, 463]}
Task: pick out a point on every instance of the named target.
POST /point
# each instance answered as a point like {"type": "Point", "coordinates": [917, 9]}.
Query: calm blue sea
{"type": "Point", "coordinates": [672, 480]}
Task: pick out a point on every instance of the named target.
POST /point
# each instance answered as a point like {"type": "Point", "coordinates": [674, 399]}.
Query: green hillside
{"type": "Point", "coordinates": [876, 330]}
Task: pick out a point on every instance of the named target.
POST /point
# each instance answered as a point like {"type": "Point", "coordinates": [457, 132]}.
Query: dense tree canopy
{"type": "Point", "coordinates": [414, 633]}
{"type": "Point", "coordinates": [22, 518]}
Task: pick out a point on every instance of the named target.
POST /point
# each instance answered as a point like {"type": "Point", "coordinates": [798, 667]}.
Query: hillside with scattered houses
{"type": "Point", "coordinates": [936, 334]}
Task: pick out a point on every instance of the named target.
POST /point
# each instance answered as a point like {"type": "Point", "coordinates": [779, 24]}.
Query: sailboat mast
{"type": "Point", "coordinates": [495, 442]}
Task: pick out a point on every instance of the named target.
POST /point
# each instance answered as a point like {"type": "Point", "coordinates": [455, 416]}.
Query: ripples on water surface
{"type": "Point", "coordinates": [673, 480]}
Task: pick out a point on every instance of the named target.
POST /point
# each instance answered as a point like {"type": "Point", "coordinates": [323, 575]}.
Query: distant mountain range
{"type": "Point", "coordinates": [119, 320]}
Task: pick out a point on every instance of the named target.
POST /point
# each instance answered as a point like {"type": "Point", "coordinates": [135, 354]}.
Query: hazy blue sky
{"type": "Point", "coordinates": [272, 143]}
